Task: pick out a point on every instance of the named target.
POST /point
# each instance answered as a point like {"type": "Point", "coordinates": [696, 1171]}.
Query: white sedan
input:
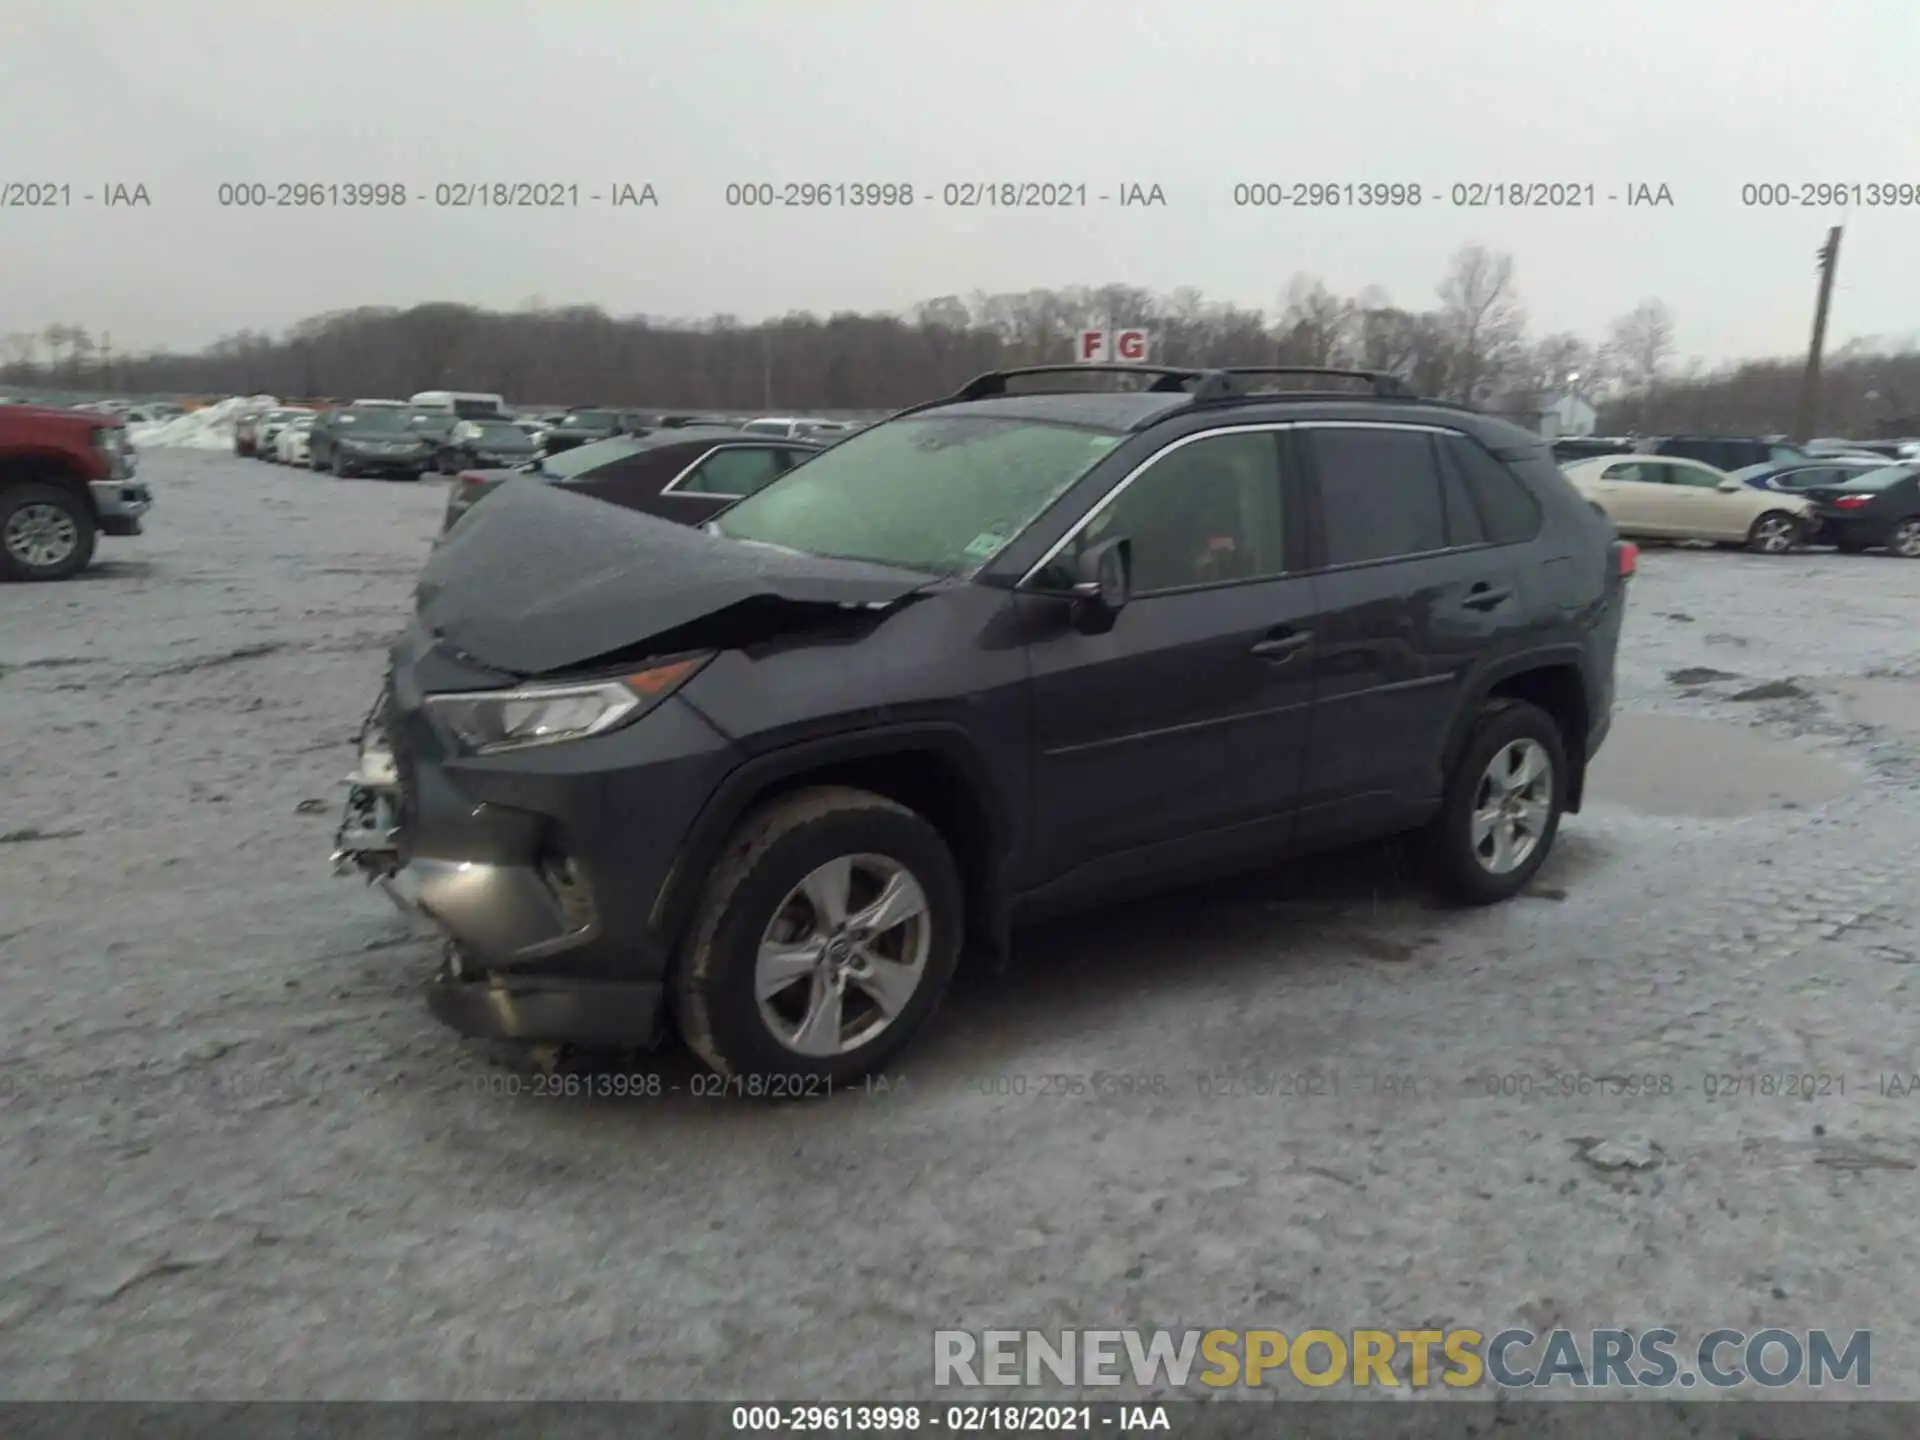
{"type": "Point", "coordinates": [290, 445]}
{"type": "Point", "coordinates": [1663, 497]}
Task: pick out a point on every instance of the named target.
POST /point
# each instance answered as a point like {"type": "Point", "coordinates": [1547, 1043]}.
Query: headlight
{"type": "Point", "coordinates": [490, 721]}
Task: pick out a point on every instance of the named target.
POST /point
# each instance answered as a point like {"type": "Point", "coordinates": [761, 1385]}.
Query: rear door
{"type": "Point", "coordinates": [1417, 583]}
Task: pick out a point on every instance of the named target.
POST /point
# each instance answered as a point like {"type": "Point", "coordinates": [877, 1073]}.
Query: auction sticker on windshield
{"type": "Point", "coordinates": [985, 545]}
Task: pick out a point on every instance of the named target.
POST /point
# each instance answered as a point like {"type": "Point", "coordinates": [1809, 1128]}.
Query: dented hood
{"type": "Point", "coordinates": [538, 580]}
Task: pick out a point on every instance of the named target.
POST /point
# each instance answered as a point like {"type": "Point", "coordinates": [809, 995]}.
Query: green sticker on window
{"type": "Point", "coordinates": [984, 545]}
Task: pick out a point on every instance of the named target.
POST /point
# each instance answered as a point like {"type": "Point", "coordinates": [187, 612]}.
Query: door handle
{"type": "Point", "coordinates": [1485, 597]}
{"type": "Point", "coordinates": [1283, 645]}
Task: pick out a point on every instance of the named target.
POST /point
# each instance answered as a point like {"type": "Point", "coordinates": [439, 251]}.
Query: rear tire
{"type": "Point", "coordinates": [753, 902]}
{"type": "Point", "coordinates": [1904, 539]}
{"type": "Point", "coordinates": [1474, 850]}
{"type": "Point", "coordinates": [1775, 533]}
{"type": "Point", "coordinates": [46, 533]}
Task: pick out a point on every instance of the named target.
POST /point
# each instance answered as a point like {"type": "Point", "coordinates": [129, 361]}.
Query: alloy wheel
{"type": "Point", "coordinates": [843, 955]}
{"type": "Point", "coordinates": [1905, 540]}
{"type": "Point", "coordinates": [1774, 535]}
{"type": "Point", "coordinates": [1512, 806]}
{"type": "Point", "coordinates": [41, 536]}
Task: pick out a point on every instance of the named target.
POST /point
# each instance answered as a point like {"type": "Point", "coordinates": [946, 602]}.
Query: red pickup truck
{"type": "Point", "coordinates": [66, 478]}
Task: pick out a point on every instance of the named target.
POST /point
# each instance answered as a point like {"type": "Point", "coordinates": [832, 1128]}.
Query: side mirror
{"type": "Point", "coordinates": [1103, 580]}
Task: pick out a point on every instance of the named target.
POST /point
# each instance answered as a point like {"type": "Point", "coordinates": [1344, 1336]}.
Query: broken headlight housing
{"type": "Point", "coordinates": [487, 722]}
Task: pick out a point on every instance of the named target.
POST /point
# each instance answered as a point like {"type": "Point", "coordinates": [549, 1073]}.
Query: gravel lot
{"type": "Point", "coordinates": [243, 1162]}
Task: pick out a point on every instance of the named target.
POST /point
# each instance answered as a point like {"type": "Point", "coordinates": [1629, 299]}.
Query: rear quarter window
{"type": "Point", "coordinates": [1509, 513]}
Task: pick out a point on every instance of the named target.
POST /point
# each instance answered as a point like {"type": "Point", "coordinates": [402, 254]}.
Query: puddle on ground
{"type": "Point", "coordinates": [1894, 704]}
{"type": "Point", "coordinates": [1666, 765]}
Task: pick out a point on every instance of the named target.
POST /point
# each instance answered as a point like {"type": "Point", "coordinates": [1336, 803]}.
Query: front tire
{"type": "Point", "coordinates": [822, 943]}
{"type": "Point", "coordinates": [46, 533]}
{"type": "Point", "coordinates": [1775, 533]}
{"type": "Point", "coordinates": [341, 470]}
{"type": "Point", "coordinates": [1503, 804]}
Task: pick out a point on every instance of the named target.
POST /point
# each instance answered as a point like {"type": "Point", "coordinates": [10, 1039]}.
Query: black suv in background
{"type": "Point", "coordinates": [1000, 656]}
{"type": "Point", "coordinates": [1723, 452]}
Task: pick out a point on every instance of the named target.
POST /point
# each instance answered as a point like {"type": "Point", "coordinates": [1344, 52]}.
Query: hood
{"type": "Point", "coordinates": [41, 414]}
{"type": "Point", "coordinates": [540, 579]}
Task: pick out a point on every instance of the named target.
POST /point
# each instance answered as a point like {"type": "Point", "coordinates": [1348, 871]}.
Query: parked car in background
{"type": "Point", "coordinates": [590, 423]}
{"type": "Point", "coordinates": [66, 478]}
{"type": "Point", "coordinates": [244, 426]}
{"type": "Point", "coordinates": [1668, 497]}
{"type": "Point", "coordinates": [792, 426]}
{"type": "Point", "coordinates": [1000, 657]}
{"type": "Point", "coordinates": [433, 426]}
{"type": "Point", "coordinates": [1878, 509]}
{"type": "Point", "coordinates": [368, 440]}
{"type": "Point", "coordinates": [381, 405]}
{"type": "Point", "coordinates": [290, 446]}
{"type": "Point", "coordinates": [1794, 476]}
{"type": "Point", "coordinates": [465, 404]}
{"type": "Point", "coordinates": [267, 429]}
{"type": "Point", "coordinates": [534, 430]}
{"type": "Point", "coordinates": [1723, 452]}
{"type": "Point", "coordinates": [685, 474]}
{"type": "Point", "coordinates": [484, 445]}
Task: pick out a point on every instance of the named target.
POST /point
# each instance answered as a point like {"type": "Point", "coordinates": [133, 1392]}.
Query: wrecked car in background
{"type": "Point", "coordinates": [1000, 656]}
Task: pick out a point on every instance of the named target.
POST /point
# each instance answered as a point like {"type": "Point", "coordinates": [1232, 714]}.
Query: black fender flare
{"type": "Point", "coordinates": [744, 785]}
{"type": "Point", "coordinates": [1474, 694]}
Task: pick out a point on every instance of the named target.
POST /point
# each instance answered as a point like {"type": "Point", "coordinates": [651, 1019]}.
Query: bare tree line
{"type": "Point", "coordinates": [1472, 345]}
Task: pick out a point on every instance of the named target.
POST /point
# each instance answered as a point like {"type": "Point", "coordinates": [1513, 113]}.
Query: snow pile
{"type": "Point", "coordinates": [209, 428]}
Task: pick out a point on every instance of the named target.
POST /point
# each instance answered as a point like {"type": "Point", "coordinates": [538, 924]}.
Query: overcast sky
{"type": "Point", "coordinates": [1702, 96]}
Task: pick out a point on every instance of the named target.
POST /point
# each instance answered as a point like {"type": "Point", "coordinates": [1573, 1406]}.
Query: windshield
{"type": "Point", "coordinates": [588, 419]}
{"type": "Point", "coordinates": [390, 422]}
{"type": "Point", "coordinates": [939, 494]}
{"type": "Point", "coordinates": [582, 458]}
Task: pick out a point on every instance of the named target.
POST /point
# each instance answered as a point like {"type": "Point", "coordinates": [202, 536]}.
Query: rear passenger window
{"type": "Point", "coordinates": [1380, 494]}
{"type": "Point", "coordinates": [1507, 508]}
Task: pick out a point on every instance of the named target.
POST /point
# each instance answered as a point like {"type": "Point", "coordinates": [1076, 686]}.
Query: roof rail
{"type": "Point", "coordinates": [1383, 384]}
{"type": "Point", "coordinates": [1168, 378]}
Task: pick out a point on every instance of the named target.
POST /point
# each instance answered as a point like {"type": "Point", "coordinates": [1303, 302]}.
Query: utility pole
{"type": "Point", "coordinates": [1829, 258]}
{"type": "Point", "coordinates": [106, 360]}
{"type": "Point", "coordinates": [766, 368]}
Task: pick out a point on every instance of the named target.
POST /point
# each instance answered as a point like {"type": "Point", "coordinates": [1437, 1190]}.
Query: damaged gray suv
{"type": "Point", "coordinates": [1004, 655]}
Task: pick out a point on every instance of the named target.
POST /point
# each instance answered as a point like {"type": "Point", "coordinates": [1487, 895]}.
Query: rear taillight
{"type": "Point", "coordinates": [1851, 502]}
{"type": "Point", "coordinates": [1629, 557]}
{"type": "Point", "coordinates": [472, 480]}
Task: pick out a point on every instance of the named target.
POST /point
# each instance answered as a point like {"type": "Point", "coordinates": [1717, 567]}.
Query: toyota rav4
{"type": "Point", "coordinates": [1000, 656]}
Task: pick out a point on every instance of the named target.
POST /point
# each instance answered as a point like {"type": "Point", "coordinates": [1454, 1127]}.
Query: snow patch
{"type": "Point", "coordinates": [208, 428]}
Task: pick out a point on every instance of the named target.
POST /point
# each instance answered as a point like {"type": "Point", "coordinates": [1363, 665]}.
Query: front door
{"type": "Point", "coordinates": [1188, 717]}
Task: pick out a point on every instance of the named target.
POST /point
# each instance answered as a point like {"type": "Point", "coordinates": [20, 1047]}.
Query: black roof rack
{"type": "Point", "coordinates": [1169, 378]}
{"type": "Point", "coordinates": [1206, 385]}
{"type": "Point", "coordinates": [1382, 383]}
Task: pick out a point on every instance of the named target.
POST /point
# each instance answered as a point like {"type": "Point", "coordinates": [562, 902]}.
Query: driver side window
{"type": "Point", "coordinates": [1205, 513]}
